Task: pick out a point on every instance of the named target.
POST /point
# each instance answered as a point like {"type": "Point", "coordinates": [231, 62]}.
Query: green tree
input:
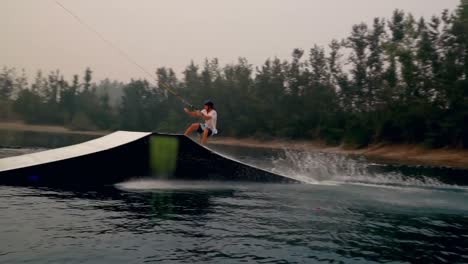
{"type": "Point", "coordinates": [68, 100]}
{"type": "Point", "coordinates": [233, 96]}
{"type": "Point", "coordinates": [7, 81]}
{"type": "Point", "coordinates": [375, 64]}
{"type": "Point", "coordinates": [359, 89]}
{"type": "Point", "coordinates": [135, 110]}
{"type": "Point", "coordinates": [87, 79]}
{"type": "Point", "coordinates": [30, 106]}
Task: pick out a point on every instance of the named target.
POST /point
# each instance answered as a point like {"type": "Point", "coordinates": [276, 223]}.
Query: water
{"type": "Point", "coordinates": [349, 211]}
{"type": "Point", "coordinates": [34, 140]}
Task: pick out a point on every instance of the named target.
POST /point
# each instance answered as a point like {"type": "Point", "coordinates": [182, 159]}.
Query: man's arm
{"type": "Point", "coordinates": [194, 113]}
{"type": "Point", "coordinates": [205, 117]}
{"type": "Point", "coordinates": [211, 115]}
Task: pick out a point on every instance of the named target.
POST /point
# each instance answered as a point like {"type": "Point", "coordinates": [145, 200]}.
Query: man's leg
{"type": "Point", "coordinates": [192, 128]}
{"type": "Point", "coordinates": [204, 136]}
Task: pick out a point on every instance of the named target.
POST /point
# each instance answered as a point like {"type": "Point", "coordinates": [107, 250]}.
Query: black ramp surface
{"type": "Point", "coordinates": [200, 163]}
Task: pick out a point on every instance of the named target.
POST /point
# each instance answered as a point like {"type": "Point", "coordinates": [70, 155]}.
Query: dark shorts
{"type": "Point", "coordinates": [201, 127]}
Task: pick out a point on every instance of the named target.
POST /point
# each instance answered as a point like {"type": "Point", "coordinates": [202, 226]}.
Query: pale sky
{"type": "Point", "coordinates": [38, 34]}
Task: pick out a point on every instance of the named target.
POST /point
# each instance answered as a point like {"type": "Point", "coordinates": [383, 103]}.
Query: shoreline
{"type": "Point", "coordinates": [404, 154]}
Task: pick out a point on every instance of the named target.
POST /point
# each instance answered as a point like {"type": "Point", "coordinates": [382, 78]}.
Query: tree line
{"type": "Point", "coordinates": [398, 80]}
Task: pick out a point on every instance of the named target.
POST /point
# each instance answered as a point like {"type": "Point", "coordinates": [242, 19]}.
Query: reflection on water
{"type": "Point", "coordinates": [243, 223]}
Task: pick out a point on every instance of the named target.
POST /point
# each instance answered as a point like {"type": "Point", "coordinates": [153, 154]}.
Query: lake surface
{"type": "Point", "coordinates": [349, 210]}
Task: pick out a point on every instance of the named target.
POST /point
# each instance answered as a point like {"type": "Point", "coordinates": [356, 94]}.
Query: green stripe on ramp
{"type": "Point", "coordinates": [163, 155]}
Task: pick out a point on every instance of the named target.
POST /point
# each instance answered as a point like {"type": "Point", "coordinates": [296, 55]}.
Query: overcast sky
{"type": "Point", "coordinates": [38, 34]}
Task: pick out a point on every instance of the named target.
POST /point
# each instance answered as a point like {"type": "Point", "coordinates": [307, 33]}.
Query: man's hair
{"type": "Point", "coordinates": [209, 103]}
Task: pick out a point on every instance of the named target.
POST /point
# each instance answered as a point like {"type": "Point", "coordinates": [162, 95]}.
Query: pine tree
{"type": "Point", "coordinates": [87, 79]}
{"type": "Point", "coordinates": [135, 107]}
{"type": "Point", "coordinates": [375, 64]}
{"type": "Point", "coordinates": [359, 92]}
{"type": "Point", "coordinates": [7, 82]}
{"type": "Point", "coordinates": [21, 83]}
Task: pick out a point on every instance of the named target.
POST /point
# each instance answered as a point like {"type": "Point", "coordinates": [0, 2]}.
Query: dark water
{"type": "Point", "coordinates": [31, 139]}
{"type": "Point", "coordinates": [349, 211]}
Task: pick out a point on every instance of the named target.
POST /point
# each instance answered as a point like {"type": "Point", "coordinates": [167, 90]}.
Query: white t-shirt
{"type": "Point", "coordinates": [211, 123]}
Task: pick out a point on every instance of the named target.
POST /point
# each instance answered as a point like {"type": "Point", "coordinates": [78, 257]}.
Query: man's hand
{"type": "Point", "coordinates": [186, 110]}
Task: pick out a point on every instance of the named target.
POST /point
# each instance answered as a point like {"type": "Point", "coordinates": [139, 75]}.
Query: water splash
{"type": "Point", "coordinates": [148, 184]}
{"type": "Point", "coordinates": [320, 168]}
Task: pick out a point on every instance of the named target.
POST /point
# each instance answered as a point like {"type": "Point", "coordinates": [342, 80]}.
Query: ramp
{"type": "Point", "coordinates": [104, 160]}
{"type": "Point", "coordinates": [123, 155]}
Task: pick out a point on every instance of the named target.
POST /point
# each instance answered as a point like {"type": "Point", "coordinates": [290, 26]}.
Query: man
{"type": "Point", "coordinates": [207, 128]}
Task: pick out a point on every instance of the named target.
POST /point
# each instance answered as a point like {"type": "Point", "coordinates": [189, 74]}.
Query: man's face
{"type": "Point", "coordinates": [206, 107]}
